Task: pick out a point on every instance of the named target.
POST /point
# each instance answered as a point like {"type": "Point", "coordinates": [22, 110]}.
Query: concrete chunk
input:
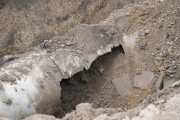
{"type": "Point", "coordinates": [143, 80]}
{"type": "Point", "coordinates": [159, 82]}
{"type": "Point", "coordinates": [123, 85]}
{"type": "Point", "coordinates": [167, 83]}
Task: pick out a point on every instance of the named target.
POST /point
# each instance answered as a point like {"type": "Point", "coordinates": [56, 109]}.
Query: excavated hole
{"type": "Point", "coordinates": [95, 86]}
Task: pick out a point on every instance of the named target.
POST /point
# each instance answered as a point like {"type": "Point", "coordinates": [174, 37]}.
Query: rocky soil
{"type": "Point", "coordinates": [163, 104]}
{"type": "Point", "coordinates": [24, 23]}
{"type": "Point", "coordinates": [155, 50]}
{"type": "Point", "coordinates": [138, 80]}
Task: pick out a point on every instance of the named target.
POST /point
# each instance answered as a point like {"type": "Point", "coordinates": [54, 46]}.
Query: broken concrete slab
{"type": "Point", "coordinates": [33, 78]}
{"type": "Point", "coordinates": [159, 82]}
{"type": "Point", "coordinates": [143, 80]}
{"type": "Point", "coordinates": [129, 42]}
{"type": "Point", "coordinates": [38, 73]}
{"type": "Point", "coordinates": [91, 43]}
{"type": "Point", "coordinates": [167, 82]}
{"type": "Point", "coordinates": [123, 85]}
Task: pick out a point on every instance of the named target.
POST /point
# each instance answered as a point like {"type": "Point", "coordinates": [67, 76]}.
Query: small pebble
{"type": "Point", "coordinates": [143, 44]}
{"type": "Point", "coordinates": [171, 76]}
{"type": "Point", "coordinates": [63, 45]}
{"type": "Point", "coordinates": [147, 31]}
{"type": "Point", "coordinates": [165, 54]}
{"type": "Point", "coordinates": [157, 48]}
{"type": "Point", "coordinates": [169, 49]}
{"type": "Point", "coordinates": [166, 36]}
{"type": "Point", "coordinates": [173, 63]}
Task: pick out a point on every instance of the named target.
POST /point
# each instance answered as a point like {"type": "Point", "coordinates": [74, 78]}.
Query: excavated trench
{"type": "Point", "coordinates": [92, 86]}
{"type": "Point", "coordinates": [37, 75]}
{"type": "Point", "coordinates": [97, 87]}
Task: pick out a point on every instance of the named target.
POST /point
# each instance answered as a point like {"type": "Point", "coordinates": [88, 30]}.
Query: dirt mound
{"type": "Point", "coordinates": [24, 23]}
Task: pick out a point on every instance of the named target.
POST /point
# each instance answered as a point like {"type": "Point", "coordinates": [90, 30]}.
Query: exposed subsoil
{"type": "Point", "coordinates": [152, 52]}
{"type": "Point", "coordinates": [95, 86]}
{"type": "Point", "coordinates": [159, 55]}
{"type": "Point", "coordinates": [46, 18]}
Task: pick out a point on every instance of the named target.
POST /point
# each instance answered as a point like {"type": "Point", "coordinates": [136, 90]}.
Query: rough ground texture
{"type": "Point", "coordinates": [156, 50]}
{"type": "Point", "coordinates": [148, 33]}
{"type": "Point", "coordinates": [24, 23]}
{"type": "Point", "coordinates": [161, 105]}
{"type": "Point", "coordinates": [37, 74]}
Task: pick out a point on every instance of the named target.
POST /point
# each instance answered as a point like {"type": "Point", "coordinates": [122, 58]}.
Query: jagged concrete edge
{"type": "Point", "coordinates": [34, 77]}
{"type": "Point", "coordinates": [46, 82]}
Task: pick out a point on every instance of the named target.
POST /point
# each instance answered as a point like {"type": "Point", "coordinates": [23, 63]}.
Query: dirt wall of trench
{"type": "Point", "coordinates": [24, 23]}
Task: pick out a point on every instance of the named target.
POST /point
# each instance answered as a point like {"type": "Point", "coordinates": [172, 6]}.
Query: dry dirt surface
{"type": "Point", "coordinates": [156, 50]}
{"type": "Point", "coordinates": [95, 86]}
{"type": "Point", "coordinates": [150, 48]}
{"type": "Point", "coordinates": [24, 23]}
{"type": "Point", "coordinates": [163, 104]}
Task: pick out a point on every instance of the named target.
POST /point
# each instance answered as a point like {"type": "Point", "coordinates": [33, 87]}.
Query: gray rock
{"type": "Point", "coordinates": [167, 83]}
{"type": "Point", "coordinates": [63, 45]}
{"type": "Point", "coordinates": [143, 44]}
{"type": "Point", "coordinates": [101, 69]}
{"type": "Point", "coordinates": [160, 54]}
{"type": "Point", "coordinates": [159, 82]}
{"type": "Point", "coordinates": [123, 85]}
{"type": "Point", "coordinates": [165, 54]}
{"type": "Point", "coordinates": [46, 43]}
{"type": "Point", "coordinates": [145, 3]}
{"type": "Point", "coordinates": [48, 50]}
{"type": "Point", "coordinates": [9, 57]}
{"type": "Point", "coordinates": [147, 31]}
{"type": "Point", "coordinates": [173, 62]}
{"type": "Point", "coordinates": [142, 32]}
{"type": "Point", "coordinates": [168, 72]}
{"type": "Point", "coordinates": [166, 65]}
{"type": "Point", "coordinates": [157, 48]}
{"type": "Point", "coordinates": [171, 42]}
{"type": "Point", "coordinates": [172, 22]}
{"type": "Point", "coordinates": [169, 49]}
{"type": "Point", "coordinates": [166, 36]}
{"type": "Point", "coordinates": [172, 76]}
{"type": "Point", "coordinates": [143, 80]}
{"type": "Point", "coordinates": [177, 56]}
